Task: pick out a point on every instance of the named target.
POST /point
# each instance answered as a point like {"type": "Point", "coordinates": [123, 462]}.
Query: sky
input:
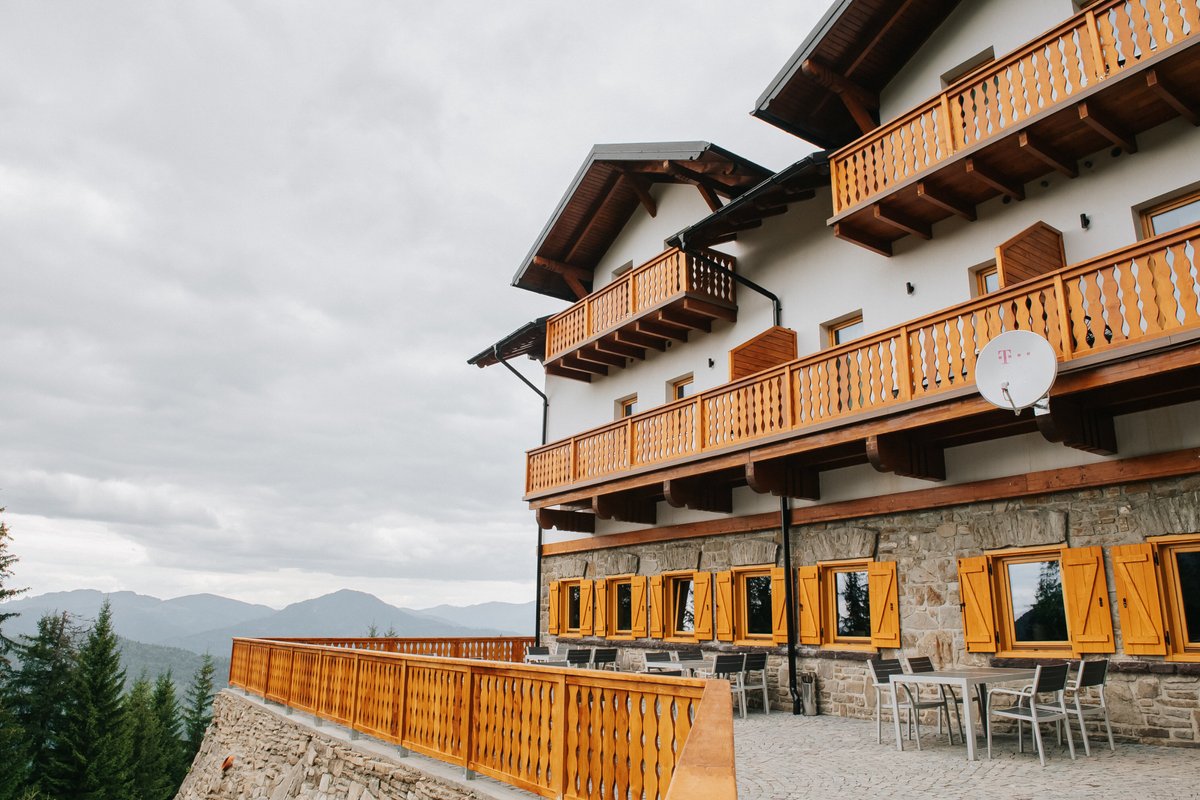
{"type": "Point", "coordinates": [247, 248]}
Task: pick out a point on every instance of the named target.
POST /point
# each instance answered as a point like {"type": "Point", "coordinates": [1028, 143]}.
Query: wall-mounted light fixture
{"type": "Point", "coordinates": [1085, 221]}
{"type": "Point", "coordinates": [908, 287]}
{"type": "Point", "coordinates": [711, 363]}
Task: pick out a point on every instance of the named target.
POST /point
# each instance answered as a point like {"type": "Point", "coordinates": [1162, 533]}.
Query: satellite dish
{"type": "Point", "coordinates": [1016, 370]}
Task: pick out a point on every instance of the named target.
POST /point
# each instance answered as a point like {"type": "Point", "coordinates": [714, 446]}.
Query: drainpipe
{"type": "Point", "coordinates": [537, 596]}
{"type": "Point", "coordinates": [749, 284]}
{"type": "Point", "coordinates": [789, 595]}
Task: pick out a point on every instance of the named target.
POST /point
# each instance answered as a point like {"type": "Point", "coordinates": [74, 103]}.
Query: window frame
{"type": "Point", "coordinates": [979, 277]}
{"type": "Point", "coordinates": [833, 328]}
{"type": "Point", "coordinates": [669, 633]}
{"type": "Point", "coordinates": [611, 585]}
{"type": "Point", "coordinates": [1006, 641]}
{"type": "Point", "coordinates": [741, 622]}
{"type": "Point", "coordinates": [564, 612]}
{"type": "Point", "coordinates": [626, 406]}
{"type": "Point", "coordinates": [1171, 593]}
{"type": "Point", "coordinates": [1147, 213]}
{"type": "Point", "coordinates": [828, 571]}
{"type": "Point", "coordinates": [674, 386]}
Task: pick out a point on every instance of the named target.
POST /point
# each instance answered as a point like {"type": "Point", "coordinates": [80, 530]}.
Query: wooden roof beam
{"type": "Point", "coordinates": [860, 102]}
{"type": "Point", "coordinates": [1002, 185]}
{"type": "Point", "coordinates": [641, 188]}
{"type": "Point", "coordinates": [1078, 426]}
{"type": "Point", "coordinates": [903, 222]}
{"type": "Point", "coordinates": [946, 201]}
{"type": "Point", "coordinates": [784, 477]}
{"type": "Point", "coordinates": [574, 362]}
{"type": "Point", "coordinates": [684, 319]}
{"type": "Point", "coordinates": [598, 357]}
{"type": "Point", "coordinates": [841, 231]}
{"type": "Point", "coordinates": [572, 275]}
{"type": "Point", "coordinates": [706, 309]}
{"type": "Point", "coordinates": [573, 521]}
{"type": "Point", "coordinates": [1109, 128]}
{"type": "Point", "coordinates": [608, 344]}
{"type": "Point", "coordinates": [1048, 154]}
{"type": "Point", "coordinates": [667, 333]}
{"type": "Point", "coordinates": [637, 339]}
{"type": "Point", "coordinates": [1184, 106]}
{"type": "Point", "coordinates": [907, 454]}
{"type": "Point", "coordinates": [557, 369]}
{"type": "Point", "coordinates": [593, 213]}
{"type": "Point", "coordinates": [699, 494]}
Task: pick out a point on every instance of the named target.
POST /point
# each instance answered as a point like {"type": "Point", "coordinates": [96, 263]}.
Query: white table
{"type": "Point", "coordinates": [963, 679]}
{"type": "Point", "coordinates": [687, 666]}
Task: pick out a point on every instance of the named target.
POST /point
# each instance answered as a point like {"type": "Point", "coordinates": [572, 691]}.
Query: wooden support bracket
{"type": "Point", "coordinates": [641, 187]}
{"type": "Point", "coordinates": [1109, 128]}
{"type": "Point", "coordinates": [845, 233]}
{"type": "Point", "coordinates": [1049, 155]}
{"type": "Point", "coordinates": [574, 521]}
{"type": "Point", "coordinates": [1075, 425]}
{"type": "Point", "coordinates": [860, 102]}
{"type": "Point", "coordinates": [946, 201]}
{"type": "Point", "coordinates": [905, 454]}
{"type": "Point", "coordinates": [609, 344]}
{"type": "Point", "coordinates": [903, 222]}
{"type": "Point", "coordinates": [594, 356]}
{"type": "Point", "coordinates": [1000, 184]}
{"type": "Point", "coordinates": [698, 494]}
{"type": "Point", "coordinates": [1183, 105]}
{"type": "Point", "coordinates": [784, 478]}
{"type": "Point", "coordinates": [685, 319]}
{"type": "Point", "coordinates": [625, 507]}
{"type": "Point", "coordinates": [561, 371]}
{"type": "Point", "coordinates": [635, 339]}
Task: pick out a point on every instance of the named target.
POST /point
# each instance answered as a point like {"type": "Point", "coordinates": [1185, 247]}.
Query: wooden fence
{"type": "Point", "coordinates": [489, 648]}
{"type": "Point", "coordinates": [1094, 45]}
{"type": "Point", "coordinates": [562, 733]}
{"type": "Point", "coordinates": [1134, 294]}
{"type": "Point", "coordinates": [668, 276]}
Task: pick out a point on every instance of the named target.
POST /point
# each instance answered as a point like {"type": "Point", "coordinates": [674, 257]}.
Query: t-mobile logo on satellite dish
{"type": "Point", "coordinates": [1016, 370]}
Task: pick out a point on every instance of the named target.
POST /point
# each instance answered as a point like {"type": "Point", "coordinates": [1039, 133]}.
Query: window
{"type": "Point", "coordinates": [621, 270]}
{"type": "Point", "coordinates": [1158, 596]}
{"type": "Point", "coordinates": [986, 280]}
{"type": "Point", "coordinates": [681, 388]}
{"type": "Point", "coordinates": [843, 330]}
{"type": "Point", "coordinates": [1045, 601]}
{"type": "Point", "coordinates": [972, 65]}
{"type": "Point", "coordinates": [570, 608]}
{"type": "Point", "coordinates": [681, 606]}
{"type": "Point", "coordinates": [627, 406]}
{"type": "Point", "coordinates": [681, 595]}
{"type": "Point", "coordinates": [1174, 213]}
{"type": "Point", "coordinates": [848, 604]}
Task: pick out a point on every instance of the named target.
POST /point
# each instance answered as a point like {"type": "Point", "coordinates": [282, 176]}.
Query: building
{"type": "Point", "coordinates": [799, 455]}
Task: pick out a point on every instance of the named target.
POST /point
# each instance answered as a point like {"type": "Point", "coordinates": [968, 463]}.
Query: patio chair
{"type": "Point", "coordinates": [757, 662]}
{"type": "Point", "coordinates": [579, 657]}
{"type": "Point", "coordinates": [534, 650]}
{"type": "Point", "coordinates": [919, 664]}
{"type": "Point", "coordinates": [731, 667]}
{"type": "Point", "coordinates": [604, 658]}
{"type": "Point", "coordinates": [1026, 708]}
{"type": "Point", "coordinates": [1090, 674]}
{"type": "Point", "coordinates": [689, 654]}
{"type": "Point", "coordinates": [881, 671]}
{"type": "Point", "coordinates": [654, 659]}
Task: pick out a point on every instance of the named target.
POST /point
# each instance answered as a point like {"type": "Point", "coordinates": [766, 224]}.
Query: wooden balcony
{"type": "Point", "coordinates": [662, 300]}
{"type": "Point", "coordinates": [1139, 299]}
{"type": "Point", "coordinates": [1094, 82]}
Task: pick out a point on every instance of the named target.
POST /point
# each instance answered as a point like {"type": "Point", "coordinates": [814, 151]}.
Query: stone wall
{"type": "Point", "coordinates": [1151, 700]}
{"type": "Point", "coordinates": [253, 751]}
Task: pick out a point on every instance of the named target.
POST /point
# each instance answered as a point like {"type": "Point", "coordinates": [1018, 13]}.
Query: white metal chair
{"type": "Point", "coordinates": [1091, 674]}
{"type": "Point", "coordinates": [656, 662]}
{"type": "Point", "coordinates": [881, 671]}
{"type": "Point", "coordinates": [731, 667]}
{"type": "Point", "coordinates": [757, 662]}
{"type": "Point", "coordinates": [1026, 708]}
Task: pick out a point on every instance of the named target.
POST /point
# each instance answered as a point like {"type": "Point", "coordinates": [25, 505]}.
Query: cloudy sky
{"type": "Point", "coordinates": [247, 248]}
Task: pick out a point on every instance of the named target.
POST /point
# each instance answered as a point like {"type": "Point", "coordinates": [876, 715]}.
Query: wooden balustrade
{"type": "Point", "coordinates": [488, 648]}
{"type": "Point", "coordinates": [668, 276]}
{"type": "Point", "coordinates": [562, 733]}
{"type": "Point", "coordinates": [1137, 293]}
{"type": "Point", "coordinates": [1092, 46]}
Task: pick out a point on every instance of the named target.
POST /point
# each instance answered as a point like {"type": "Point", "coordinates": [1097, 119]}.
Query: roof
{"type": "Point", "coordinates": [856, 48]}
{"type": "Point", "coordinates": [527, 340]}
{"type": "Point", "coordinates": [769, 198]}
{"type": "Point", "coordinates": [613, 180]}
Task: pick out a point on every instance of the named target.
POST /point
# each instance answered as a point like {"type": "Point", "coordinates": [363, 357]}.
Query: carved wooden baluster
{"type": "Point", "coordinates": [1186, 278]}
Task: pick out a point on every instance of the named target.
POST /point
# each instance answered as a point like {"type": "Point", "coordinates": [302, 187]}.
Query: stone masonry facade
{"type": "Point", "coordinates": [1151, 700]}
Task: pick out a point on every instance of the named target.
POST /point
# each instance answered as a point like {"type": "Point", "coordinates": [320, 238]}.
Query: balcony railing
{"type": "Point", "coordinates": [1092, 46]}
{"type": "Point", "coordinates": [554, 732]}
{"type": "Point", "coordinates": [1143, 292]}
{"type": "Point", "coordinates": [671, 276]}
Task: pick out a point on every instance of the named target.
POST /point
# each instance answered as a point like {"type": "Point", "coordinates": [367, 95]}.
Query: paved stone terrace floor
{"type": "Point", "coordinates": [783, 756]}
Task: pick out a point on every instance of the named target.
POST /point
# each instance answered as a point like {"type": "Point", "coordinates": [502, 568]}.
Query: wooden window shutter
{"type": "Point", "coordinates": [656, 607]}
{"type": "Point", "coordinates": [808, 601]}
{"type": "Point", "coordinates": [637, 595]}
{"type": "Point", "coordinates": [585, 608]}
{"type": "Point", "coordinates": [702, 605]}
{"type": "Point", "coordinates": [601, 614]}
{"type": "Point", "coordinates": [779, 604]}
{"type": "Point", "coordinates": [884, 599]}
{"type": "Point", "coordinates": [1138, 600]}
{"type": "Point", "coordinates": [724, 605]}
{"type": "Point", "coordinates": [975, 591]}
{"type": "Point", "coordinates": [552, 621]}
{"type": "Point", "coordinates": [1085, 594]}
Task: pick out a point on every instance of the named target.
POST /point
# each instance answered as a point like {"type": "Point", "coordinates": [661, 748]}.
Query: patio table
{"type": "Point", "coordinates": [963, 679]}
{"type": "Point", "coordinates": [688, 666]}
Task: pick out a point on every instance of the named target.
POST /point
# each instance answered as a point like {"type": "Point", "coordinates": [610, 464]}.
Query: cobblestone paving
{"type": "Point", "coordinates": [783, 756]}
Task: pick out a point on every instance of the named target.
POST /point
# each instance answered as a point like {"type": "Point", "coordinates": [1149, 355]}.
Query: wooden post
{"type": "Point", "coordinates": [1098, 64]}
{"type": "Point", "coordinates": [698, 418]}
{"type": "Point", "coordinates": [1064, 322]}
{"type": "Point", "coordinates": [400, 724]}
{"type": "Point", "coordinates": [467, 736]}
{"type": "Point", "coordinates": [902, 358]}
{"type": "Point", "coordinates": [788, 399]}
{"type": "Point", "coordinates": [629, 441]}
{"type": "Point", "coordinates": [558, 748]}
{"type": "Point", "coordinates": [949, 139]}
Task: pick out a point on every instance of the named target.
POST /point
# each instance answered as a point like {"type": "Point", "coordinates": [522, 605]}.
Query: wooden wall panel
{"type": "Point", "coordinates": [770, 348]}
{"type": "Point", "coordinates": [1034, 251]}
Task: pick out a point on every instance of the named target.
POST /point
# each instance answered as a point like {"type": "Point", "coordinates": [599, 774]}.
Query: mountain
{"type": "Point", "coordinates": [512, 618]}
{"type": "Point", "coordinates": [153, 660]}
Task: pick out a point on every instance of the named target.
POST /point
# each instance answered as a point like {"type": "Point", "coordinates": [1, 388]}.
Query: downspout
{"type": "Point", "coordinates": [721, 270]}
{"type": "Point", "coordinates": [537, 596]}
{"type": "Point", "coordinates": [789, 595]}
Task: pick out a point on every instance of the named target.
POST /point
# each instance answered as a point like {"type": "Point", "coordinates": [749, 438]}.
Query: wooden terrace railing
{"type": "Point", "coordinates": [668, 276]}
{"type": "Point", "coordinates": [1094, 45]}
{"type": "Point", "coordinates": [562, 733]}
{"type": "Point", "coordinates": [1134, 294]}
{"type": "Point", "coordinates": [492, 648]}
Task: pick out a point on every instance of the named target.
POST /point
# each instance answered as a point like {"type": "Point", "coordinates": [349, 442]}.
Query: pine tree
{"type": "Point", "coordinates": [14, 761]}
{"type": "Point", "coordinates": [145, 742]}
{"type": "Point", "coordinates": [7, 560]}
{"type": "Point", "coordinates": [38, 692]}
{"type": "Point", "coordinates": [166, 712]}
{"type": "Point", "coordinates": [197, 712]}
{"type": "Point", "coordinates": [93, 762]}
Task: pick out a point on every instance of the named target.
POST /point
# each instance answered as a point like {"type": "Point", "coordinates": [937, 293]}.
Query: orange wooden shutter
{"type": "Point", "coordinates": [637, 595]}
{"type": "Point", "coordinates": [724, 605]}
{"type": "Point", "coordinates": [975, 591]}
{"type": "Point", "coordinates": [1085, 594]}
{"type": "Point", "coordinates": [702, 605]}
{"type": "Point", "coordinates": [1138, 600]}
{"type": "Point", "coordinates": [884, 599]}
{"type": "Point", "coordinates": [585, 608]}
{"type": "Point", "coordinates": [778, 604]}
{"type": "Point", "coordinates": [656, 606]}
{"type": "Point", "coordinates": [601, 612]}
{"type": "Point", "coordinates": [808, 602]}
{"type": "Point", "coordinates": [552, 622]}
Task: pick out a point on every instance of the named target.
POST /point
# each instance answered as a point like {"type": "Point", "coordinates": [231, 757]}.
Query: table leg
{"type": "Point", "coordinates": [968, 722]}
{"type": "Point", "coordinates": [896, 715]}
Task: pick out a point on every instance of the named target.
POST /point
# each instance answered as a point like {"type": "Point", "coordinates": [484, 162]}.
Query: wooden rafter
{"type": "Point", "coordinates": [609, 344]}
{"type": "Point", "coordinates": [946, 201]}
{"type": "Point", "coordinates": [901, 221]}
{"type": "Point", "coordinates": [699, 494]}
{"type": "Point", "coordinates": [636, 339]}
{"type": "Point", "coordinates": [907, 454]}
{"type": "Point", "coordinates": [990, 178]}
{"type": "Point", "coordinates": [592, 215]}
{"type": "Point", "coordinates": [1047, 154]}
{"type": "Point", "coordinates": [557, 369]}
{"type": "Point", "coordinates": [574, 362]}
{"type": "Point", "coordinates": [860, 102]}
{"type": "Point", "coordinates": [667, 333]}
{"type": "Point", "coordinates": [572, 275]}
{"type": "Point", "coordinates": [842, 231]}
{"type": "Point", "coordinates": [1183, 105]}
{"type": "Point", "coordinates": [641, 188]}
{"type": "Point", "coordinates": [598, 357]}
{"type": "Point", "coordinates": [573, 521]}
{"type": "Point", "coordinates": [1075, 425]}
{"type": "Point", "coordinates": [1106, 126]}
